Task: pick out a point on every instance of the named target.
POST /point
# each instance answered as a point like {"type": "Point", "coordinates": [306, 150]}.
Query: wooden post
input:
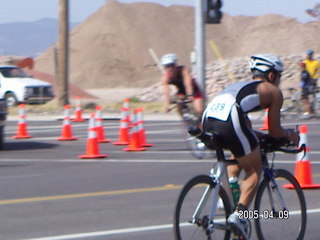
{"type": "Point", "coordinates": [63, 54]}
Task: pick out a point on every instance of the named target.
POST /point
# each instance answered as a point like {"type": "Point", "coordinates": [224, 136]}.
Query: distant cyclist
{"type": "Point", "coordinates": [226, 116]}
{"type": "Point", "coordinates": [313, 67]}
{"type": "Point", "coordinates": [180, 76]}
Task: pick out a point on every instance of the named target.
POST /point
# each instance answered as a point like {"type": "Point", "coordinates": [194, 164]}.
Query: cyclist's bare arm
{"type": "Point", "coordinates": [271, 98]}
{"type": "Point", "coordinates": [166, 92]}
{"type": "Point", "coordinates": [187, 81]}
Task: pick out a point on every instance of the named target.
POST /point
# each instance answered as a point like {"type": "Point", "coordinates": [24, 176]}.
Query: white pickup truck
{"type": "Point", "coordinates": [16, 86]}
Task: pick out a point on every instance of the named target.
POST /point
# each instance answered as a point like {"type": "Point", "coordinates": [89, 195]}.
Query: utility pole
{"type": "Point", "coordinates": [63, 54]}
{"type": "Point", "coordinates": [200, 37]}
{"type": "Point", "coordinates": [206, 12]}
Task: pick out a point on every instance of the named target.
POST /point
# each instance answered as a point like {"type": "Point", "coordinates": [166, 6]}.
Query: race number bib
{"type": "Point", "coordinates": [220, 107]}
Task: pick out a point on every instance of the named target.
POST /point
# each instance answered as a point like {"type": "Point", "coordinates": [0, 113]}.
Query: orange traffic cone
{"type": "Point", "coordinates": [22, 127]}
{"type": "Point", "coordinates": [124, 125]}
{"type": "Point", "coordinates": [303, 170]}
{"type": "Point", "coordinates": [99, 126]}
{"type": "Point", "coordinates": [141, 130]}
{"type": "Point", "coordinates": [78, 111]}
{"type": "Point", "coordinates": [126, 109]}
{"type": "Point", "coordinates": [92, 142]}
{"type": "Point", "coordinates": [265, 121]}
{"type": "Point", "coordinates": [66, 132]}
{"type": "Point", "coordinates": [135, 144]}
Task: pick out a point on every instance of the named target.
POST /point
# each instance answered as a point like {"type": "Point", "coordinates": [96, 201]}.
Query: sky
{"type": "Point", "coordinates": [33, 10]}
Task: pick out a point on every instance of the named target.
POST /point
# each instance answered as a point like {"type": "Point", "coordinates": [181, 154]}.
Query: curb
{"type": "Point", "coordinates": [112, 116]}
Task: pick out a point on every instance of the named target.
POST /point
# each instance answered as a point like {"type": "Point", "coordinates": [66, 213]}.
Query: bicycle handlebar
{"type": "Point", "coordinates": [179, 102]}
{"type": "Point", "coordinates": [270, 144]}
{"type": "Point", "coordinates": [266, 142]}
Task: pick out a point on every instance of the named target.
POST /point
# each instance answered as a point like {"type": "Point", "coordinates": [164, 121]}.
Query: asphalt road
{"type": "Point", "coordinates": [48, 193]}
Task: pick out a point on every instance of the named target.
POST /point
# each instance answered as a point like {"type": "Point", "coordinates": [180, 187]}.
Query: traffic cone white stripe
{"type": "Point", "coordinates": [124, 125]}
{"type": "Point", "coordinates": [22, 116]}
{"type": "Point", "coordinates": [99, 126]}
{"type": "Point", "coordinates": [135, 143]}
{"type": "Point", "coordinates": [66, 132]}
{"type": "Point", "coordinates": [66, 119]}
{"type": "Point", "coordinates": [141, 130]}
{"type": "Point", "coordinates": [78, 111]}
{"type": "Point", "coordinates": [303, 140]}
{"type": "Point", "coordinates": [92, 133]}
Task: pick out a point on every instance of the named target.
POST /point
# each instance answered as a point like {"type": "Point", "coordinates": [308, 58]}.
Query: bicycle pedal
{"type": "Point", "coordinates": [238, 232]}
{"type": "Point", "coordinates": [235, 237]}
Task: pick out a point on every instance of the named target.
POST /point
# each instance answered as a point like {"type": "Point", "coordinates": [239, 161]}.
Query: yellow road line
{"type": "Point", "coordinates": [96, 194]}
{"type": "Point", "coordinates": [84, 195]}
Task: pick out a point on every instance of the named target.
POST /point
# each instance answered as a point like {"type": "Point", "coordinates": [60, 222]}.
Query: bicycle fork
{"type": "Point", "coordinates": [274, 187]}
{"type": "Point", "coordinates": [218, 176]}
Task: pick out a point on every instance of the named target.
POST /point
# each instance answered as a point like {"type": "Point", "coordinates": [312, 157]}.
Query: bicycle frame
{"type": "Point", "coordinates": [219, 178]}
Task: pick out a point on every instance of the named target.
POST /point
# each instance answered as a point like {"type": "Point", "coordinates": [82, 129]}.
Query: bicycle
{"type": "Point", "coordinates": [198, 149]}
{"type": "Point", "coordinates": [197, 215]}
{"type": "Point", "coordinates": [315, 92]}
{"type": "Point", "coordinates": [292, 105]}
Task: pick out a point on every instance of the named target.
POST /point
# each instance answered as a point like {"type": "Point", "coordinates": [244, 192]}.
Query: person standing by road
{"type": "Point", "coordinates": [305, 89]}
{"type": "Point", "coordinates": [313, 68]}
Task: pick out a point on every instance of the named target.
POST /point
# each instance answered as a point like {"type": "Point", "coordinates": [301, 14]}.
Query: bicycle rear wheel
{"type": "Point", "coordinates": [282, 222]}
{"type": "Point", "coordinates": [187, 227]}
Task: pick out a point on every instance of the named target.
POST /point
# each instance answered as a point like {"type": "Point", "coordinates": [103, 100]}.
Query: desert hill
{"type": "Point", "coordinates": [110, 48]}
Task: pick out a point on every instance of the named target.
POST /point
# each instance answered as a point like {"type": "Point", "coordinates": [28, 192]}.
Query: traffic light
{"type": "Point", "coordinates": [214, 14]}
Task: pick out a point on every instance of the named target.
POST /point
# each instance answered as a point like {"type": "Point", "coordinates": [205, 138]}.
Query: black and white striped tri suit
{"type": "Point", "coordinates": [226, 115]}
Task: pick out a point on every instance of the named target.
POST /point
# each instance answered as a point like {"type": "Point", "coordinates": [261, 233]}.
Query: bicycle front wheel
{"type": "Point", "coordinates": [191, 217]}
{"type": "Point", "coordinates": [282, 208]}
{"type": "Point", "coordinates": [198, 148]}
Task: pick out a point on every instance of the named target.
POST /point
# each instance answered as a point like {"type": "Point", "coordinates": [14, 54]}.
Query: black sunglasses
{"type": "Point", "coordinates": [169, 65]}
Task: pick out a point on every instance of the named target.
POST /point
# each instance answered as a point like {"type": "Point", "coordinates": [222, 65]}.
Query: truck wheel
{"type": "Point", "coordinates": [11, 100]}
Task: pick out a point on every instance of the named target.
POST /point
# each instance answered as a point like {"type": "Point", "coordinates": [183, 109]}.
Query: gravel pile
{"type": "Point", "coordinates": [219, 74]}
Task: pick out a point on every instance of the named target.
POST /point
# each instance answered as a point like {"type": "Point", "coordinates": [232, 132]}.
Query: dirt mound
{"type": "Point", "coordinates": [110, 48]}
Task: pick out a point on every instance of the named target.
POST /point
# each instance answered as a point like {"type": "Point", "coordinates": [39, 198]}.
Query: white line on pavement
{"type": "Point", "coordinates": [110, 160]}
{"type": "Point", "coordinates": [130, 230]}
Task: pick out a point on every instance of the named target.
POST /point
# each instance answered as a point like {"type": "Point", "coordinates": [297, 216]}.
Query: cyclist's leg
{"type": "Point", "coordinates": [233, 170]}
{"type": "Point", "coordinates": [179, 97]}
{"type": "Point", "coordinates": [198, 102]}
{"type": "Point", "coordinates": [251, 164]}
{"type": "Point", "coordinates": [198, 109]}
{"type": "Point", "coordinates": [198, 106]}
